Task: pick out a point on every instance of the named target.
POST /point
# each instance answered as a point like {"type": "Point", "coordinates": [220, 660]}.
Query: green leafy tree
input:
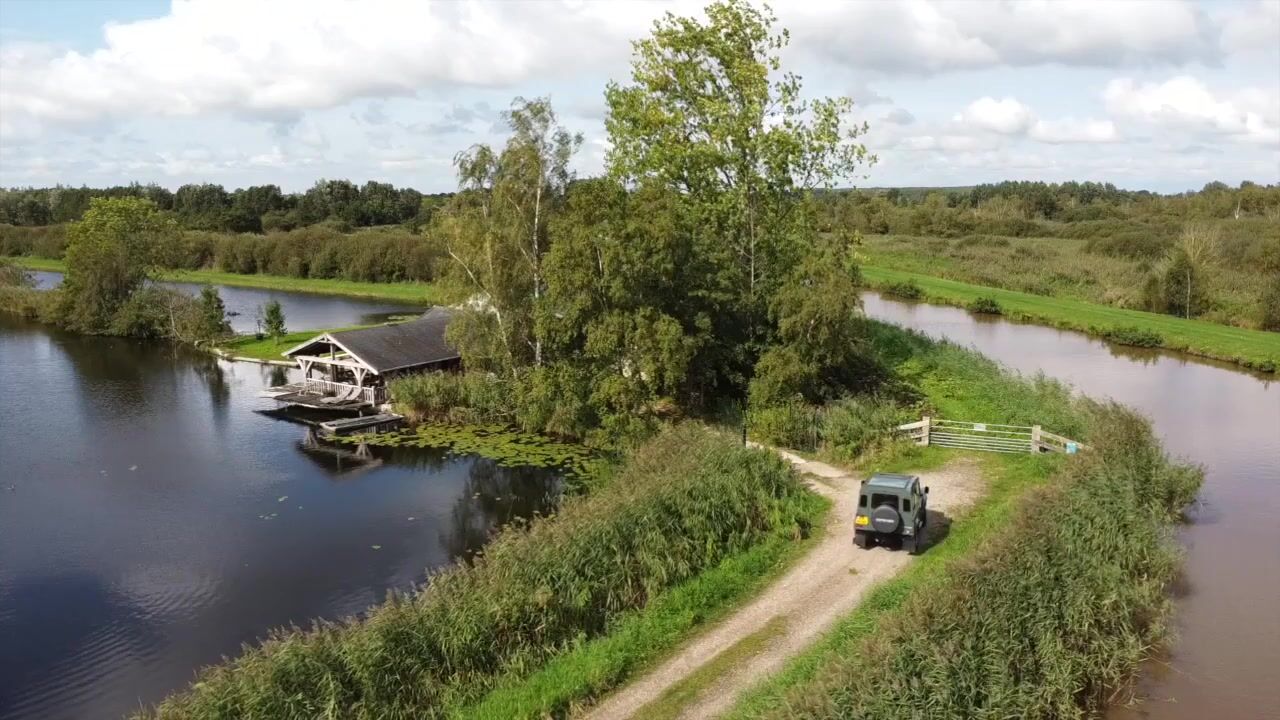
{"type": "Point", "coordinates": [212, 315]}
{"type": "Point", "coordinates": [110, 254]}
{"type": "Point", "coordinates": [272, 320]}
{"type": "Point", "coordinates": [710, 114]}
{"type": "Point", "coordinates": [495, 233]}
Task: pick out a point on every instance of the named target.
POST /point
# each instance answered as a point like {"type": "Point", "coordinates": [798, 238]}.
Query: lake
{"type": "Point", "coordinates": [152, 519]}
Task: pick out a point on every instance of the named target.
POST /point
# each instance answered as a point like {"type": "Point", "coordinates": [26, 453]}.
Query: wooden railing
{"type": "Point", "coordinates": [374, 395]}
{"type": "Point", "coordinates": [988, 437]}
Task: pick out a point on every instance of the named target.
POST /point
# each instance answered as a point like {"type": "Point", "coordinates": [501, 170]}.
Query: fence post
{"type": "Point", "coordinates": [1035, 439]}
{"type": "Point", "coordinates": [924, 437]}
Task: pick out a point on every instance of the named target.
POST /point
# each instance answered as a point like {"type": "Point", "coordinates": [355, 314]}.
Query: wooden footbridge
{"type": "Point", "coordinates": [988, 437]}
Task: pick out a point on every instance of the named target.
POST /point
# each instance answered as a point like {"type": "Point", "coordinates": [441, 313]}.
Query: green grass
{"type": "Point", "coordinates": [642, 639]}
{"type": "Point", "coordinates": [408, 293]}
{"type": "Point", "coordinates": [248, 346]}
{"type": "Point", "coordinates": [1255, 349]}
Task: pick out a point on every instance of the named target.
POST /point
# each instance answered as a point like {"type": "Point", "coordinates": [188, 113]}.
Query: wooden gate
{"type": "Point", "coordinates": [988, 437]}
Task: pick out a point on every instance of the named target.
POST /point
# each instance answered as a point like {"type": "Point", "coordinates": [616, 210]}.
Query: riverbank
{"type": "Point", "coordinates": [1254, 349]}
{"type": "Point", "coordinates": [409, 293]}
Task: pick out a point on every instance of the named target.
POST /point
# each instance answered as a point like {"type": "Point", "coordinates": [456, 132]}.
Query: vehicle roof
{"type": "Point", "coordinates": [896, 481]}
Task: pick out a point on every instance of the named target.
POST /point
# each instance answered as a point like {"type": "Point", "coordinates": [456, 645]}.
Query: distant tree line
{"type": "Point", "coordinates": [255, 209]}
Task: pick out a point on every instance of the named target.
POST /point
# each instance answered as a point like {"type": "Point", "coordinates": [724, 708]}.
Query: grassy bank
{"type": "Point", "coordinates": [1255, 349]}
{"type": "Point", "coordinates": [266, 348]}
{"type": "Point", "coordinates": [1040, 604]}
{"type": "Point", "coordinates": [685, 503]}
{"type": "Point", "coordinates": [408, 293]}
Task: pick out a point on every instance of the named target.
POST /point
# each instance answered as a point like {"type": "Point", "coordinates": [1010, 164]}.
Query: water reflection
{"type": "Point", "coordinates": [157, 521]}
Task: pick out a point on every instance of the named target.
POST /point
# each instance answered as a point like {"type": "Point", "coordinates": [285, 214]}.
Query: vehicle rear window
{"type": "Point", "coordinates": [862, 501]}
{"type": "Point", "coordinates": [906, 505]}
{"type": "Point", "coordinates": [878, 499]}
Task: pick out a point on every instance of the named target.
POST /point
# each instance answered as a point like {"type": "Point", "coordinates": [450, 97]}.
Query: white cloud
{"type": "Point", "coordinates": [930, 37]}
{"type": "Point", "coordinates": [1069, 130]}
{"type": "Point", "coordinates": [1252, 28]}
{"type": "Point", "coordinates": [276, 59]}
{"type": "Point", "coordinates": [1251, 114]}
{"type": "Point", "coordinates": [1008, 116]}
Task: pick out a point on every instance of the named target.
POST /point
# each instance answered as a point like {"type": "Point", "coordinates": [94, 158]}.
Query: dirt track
{"type": "Point", "coordinates": [822, 586]}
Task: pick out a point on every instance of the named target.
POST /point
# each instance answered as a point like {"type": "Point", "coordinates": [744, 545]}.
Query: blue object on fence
{"type": "Point", "coordinates": [1072, 448]}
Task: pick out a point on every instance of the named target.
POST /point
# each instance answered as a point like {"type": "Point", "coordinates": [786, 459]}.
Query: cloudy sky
{"type": "Point", "coordinates": [1160, 94]}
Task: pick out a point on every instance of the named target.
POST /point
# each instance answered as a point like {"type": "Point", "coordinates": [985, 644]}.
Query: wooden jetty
{"type": "Point", "coordinates": [342, 426]}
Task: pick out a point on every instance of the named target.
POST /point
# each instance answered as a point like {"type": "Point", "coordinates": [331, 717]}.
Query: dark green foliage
{"type": "Point", "coordinates": [211, 315]}
{"type": "Point", "coordinates": [1271, 305]}
{"type": "Point", "coordinates": [1135, 336]}
{"type": "Point", "coordinates": [682, 504]}
{"type": "Point", "coordinates": [1183, 289]}
{"type": "Point", "coordinates": [460, 398]}
{"type": "Point", "coordinates": [110, 255]}
{"type": "Point", "coordinates": [1049, 618]}
{"type": "Point", "coordinates": [908, 290]}
{"type": "Point", "coordinates": [272, 319]}
{"type": "Point", "coordinates": [985, 306]}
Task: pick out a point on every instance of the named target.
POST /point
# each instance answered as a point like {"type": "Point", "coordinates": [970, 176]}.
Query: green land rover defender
{"type": "Point", "coordinates": [892, 506]}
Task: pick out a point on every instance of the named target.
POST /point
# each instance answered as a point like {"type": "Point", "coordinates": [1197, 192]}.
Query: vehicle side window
{"type": "Point", "coordinates": [906, 505]}
{"type": "Point", "coordinates": [862, 501]}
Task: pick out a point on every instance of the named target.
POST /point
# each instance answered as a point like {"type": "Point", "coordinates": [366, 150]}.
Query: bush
{"type": "Point", "coordinates": [1270, 319]}
{"type": "Point", "coordinates": [907, 290]}
{"type": "Point", "coordinates": [793, 424]}
{"type": "Point", "coordinates": [1048, 618]}
{"type": "Point", "coordinates": [985, 305]}
{"type": "Point", "coordinates": [463, 398]}
{"type": "Point", "coordinates": [683, 503]}
{"type": "Point", "coordinates": [1135, 336]}
{"type": "Point", "coordinates": [853, 426]}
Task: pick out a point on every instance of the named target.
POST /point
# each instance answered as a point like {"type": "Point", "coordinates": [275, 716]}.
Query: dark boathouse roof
{"type": "Point", "coordinates": [389, 348]}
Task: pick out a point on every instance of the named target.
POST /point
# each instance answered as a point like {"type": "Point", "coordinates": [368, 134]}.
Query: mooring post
{"type": "Point", "coordinates": [1035, 439]}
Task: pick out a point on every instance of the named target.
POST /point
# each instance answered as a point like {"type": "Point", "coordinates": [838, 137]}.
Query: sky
{"type": "Point", "coordinates": [1163, 95]}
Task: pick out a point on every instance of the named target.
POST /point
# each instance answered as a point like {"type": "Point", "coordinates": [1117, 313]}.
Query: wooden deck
{"type": "Point", "coordinates": [343, 426]}
{"type": "Point", "coordinates": [307, 396]}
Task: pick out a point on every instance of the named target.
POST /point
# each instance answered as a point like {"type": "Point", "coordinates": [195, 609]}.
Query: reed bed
{"type": "Point", "coordinates": [1049, 619]}
{"type": "Point", "coordinates": [684, 502]}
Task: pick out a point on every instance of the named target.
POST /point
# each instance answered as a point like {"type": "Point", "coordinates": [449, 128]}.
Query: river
{"type": "Point", "coordinates": [1225, 663]}
{"type": "Point", "coordinates": [152, 520]}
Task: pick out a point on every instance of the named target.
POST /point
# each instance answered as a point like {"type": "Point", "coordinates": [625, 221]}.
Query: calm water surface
{"type": "Point", "coordinates": [151, 520]}
{"type": "Point", "coordinates": [1226, 662]}
{"type": "Point", "coordinates": [302, 311]}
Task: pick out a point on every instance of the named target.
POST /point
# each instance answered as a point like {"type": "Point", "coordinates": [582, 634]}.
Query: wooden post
{"type": "Point", "coordinates": [1035, 439]}
{"type": "Point", "coordinates": [924, 437]}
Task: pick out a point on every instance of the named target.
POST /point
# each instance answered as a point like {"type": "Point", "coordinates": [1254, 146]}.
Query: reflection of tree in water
{"type": "Point", "coordinates": [208, 369]}
{"type": "Point", "coordinates": [276, 375]}
{"type": "Point", "coordinates": [494, 496]}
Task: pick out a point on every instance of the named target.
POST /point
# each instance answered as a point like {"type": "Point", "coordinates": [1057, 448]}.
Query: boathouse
{"type": "Point", "coordinates": [349, 369]}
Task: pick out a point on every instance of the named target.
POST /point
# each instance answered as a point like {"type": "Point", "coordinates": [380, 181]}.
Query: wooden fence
{"type": "Point", "coordinates": [372, 394]}
{"type": "Point", "coordinates": [988, 437]}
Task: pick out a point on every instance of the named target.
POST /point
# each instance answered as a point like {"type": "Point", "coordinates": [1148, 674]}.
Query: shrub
{"type": "Point", "coordinates": [1270, 319]}
{"type": "Point", "coordinates": [1135, 336]}
{"type": "Point", "coordinates": [852, 426]}
{"type": "Point", "coordinates": [907, 290]}
{"type": "Point", "coordinates": [986, 306]}
{"type": "Point", "coordinates": [1045, 620]}
{"type": "Point", "coordinates": [683, 503]}
{"type": "Point", "coordinates": [464, 398]}
{"type": "Point", "coordinates": [793, 424]}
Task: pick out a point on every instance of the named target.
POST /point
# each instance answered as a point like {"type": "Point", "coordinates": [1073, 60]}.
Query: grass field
{"type": "Point", "coordinates": [410, 293]}
{"type": "Point", "coordinates": [1256, 349]}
